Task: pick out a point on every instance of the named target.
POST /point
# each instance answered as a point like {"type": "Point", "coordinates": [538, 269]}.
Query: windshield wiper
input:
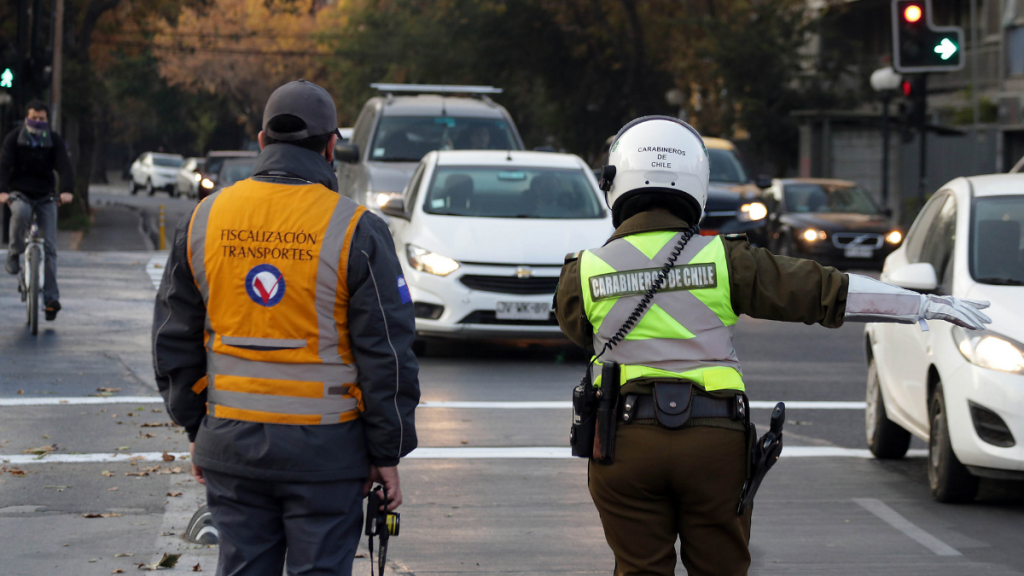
{"type": "Point", "coordinates": [1001, 281]}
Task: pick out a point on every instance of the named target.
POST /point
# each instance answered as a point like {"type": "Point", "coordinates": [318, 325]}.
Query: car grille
{"type": "Point", "coordinates": [844, 239]}
{"type": "Point", "coordinates": [511, 284]}
{"type": "Point", "coordinates": [489, 317]}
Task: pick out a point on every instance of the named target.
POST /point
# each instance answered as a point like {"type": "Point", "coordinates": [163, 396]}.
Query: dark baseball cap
{"type": "Point", "coordinates": [306, 101]}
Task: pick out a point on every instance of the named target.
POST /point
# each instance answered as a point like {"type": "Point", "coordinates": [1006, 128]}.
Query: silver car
{"type": "Point", "coordinates": [187, 183]}
{"type": "Point", "coordinates": [393, 133]}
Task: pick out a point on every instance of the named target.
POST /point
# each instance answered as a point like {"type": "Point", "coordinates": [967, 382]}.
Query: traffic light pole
{"type": "Point", "coordinates": [922, 165]}
{"type": "Point", "coordinates": [58, 62]}
{"type": "Point", "coordinates": [885, 148]}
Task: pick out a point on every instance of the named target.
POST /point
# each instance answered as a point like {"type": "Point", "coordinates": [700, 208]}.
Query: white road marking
{"type": "Point", "coordinates": [560, 405]}
{"type": "Point", "coordinates": [454, 453]}
{"type": "Point", "coordinates": [77, 400]}
{"type": "Point", "coordinates": [806, 405]}
{"type": "Point", "coordinates": [155, 268]}
{"type": "Point", "coordinates": [897, 521]}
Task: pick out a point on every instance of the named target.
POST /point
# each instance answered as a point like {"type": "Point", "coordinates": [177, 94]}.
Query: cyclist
{"type": "Point", "coordinates": [28, 157]}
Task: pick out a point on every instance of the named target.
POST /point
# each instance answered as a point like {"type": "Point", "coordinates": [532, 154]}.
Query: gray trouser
{"type": "Point", "coordinates": [21, 223]}
{"type": "Point", "coordinates": [318, 524]}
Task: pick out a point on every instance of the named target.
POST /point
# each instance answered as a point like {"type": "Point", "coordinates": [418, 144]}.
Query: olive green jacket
{"type": "Point", "coordinates": [762, 284]}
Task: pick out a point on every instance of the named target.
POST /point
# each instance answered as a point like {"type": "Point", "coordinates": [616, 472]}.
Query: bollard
{"type": "Point", "coordinates": [163, 232]}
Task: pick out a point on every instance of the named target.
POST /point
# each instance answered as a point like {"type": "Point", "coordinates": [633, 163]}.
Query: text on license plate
{"type": "Point", "coordinates": [860, 252]}
{"type": "Point", "coordinates": [522, 310]}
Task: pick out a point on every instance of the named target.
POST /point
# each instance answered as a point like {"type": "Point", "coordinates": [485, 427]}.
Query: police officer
{"type": "Point", "coordinates": [283, 340]}
{"type": "Point", "coordinates": [683, 441]}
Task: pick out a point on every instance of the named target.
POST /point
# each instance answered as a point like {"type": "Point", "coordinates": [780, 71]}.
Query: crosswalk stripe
{"type": "Point", "coordinates": [155, 268]}
{"type": "Point", "coordinates": [439, 453]}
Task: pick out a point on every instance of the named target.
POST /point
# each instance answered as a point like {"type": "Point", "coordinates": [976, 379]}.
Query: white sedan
{"type": "Point", "coordinates": [482, 236]}
{"type": "Point", "coordinates": [154, 171]}
{"type": "Point", "coordinates": [961, 391]}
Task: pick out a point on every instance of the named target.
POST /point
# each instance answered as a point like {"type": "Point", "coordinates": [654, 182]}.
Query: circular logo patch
{"type": "Point", "coordinates": [265, 285]}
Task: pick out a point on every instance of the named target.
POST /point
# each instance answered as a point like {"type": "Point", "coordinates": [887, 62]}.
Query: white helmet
{"type": "Point", "coordinates": [658, 154]}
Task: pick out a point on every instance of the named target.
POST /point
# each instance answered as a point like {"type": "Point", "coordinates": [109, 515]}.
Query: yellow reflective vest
{"type": "Point", "coordinates": [272, 273]}
{"type": "Point", "coordinates": [686, 332]}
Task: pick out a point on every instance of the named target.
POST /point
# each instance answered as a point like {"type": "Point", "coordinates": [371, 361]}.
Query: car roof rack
{"type": "Point", "coordinates": [436, 88]}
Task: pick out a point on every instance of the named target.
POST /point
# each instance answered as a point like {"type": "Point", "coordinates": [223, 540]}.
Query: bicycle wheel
{"type": "Point", "coordinates": [32, 261]}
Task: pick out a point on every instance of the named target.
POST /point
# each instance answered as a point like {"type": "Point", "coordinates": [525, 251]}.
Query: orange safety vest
{"type": "Point", "coordinates": [270, 261]}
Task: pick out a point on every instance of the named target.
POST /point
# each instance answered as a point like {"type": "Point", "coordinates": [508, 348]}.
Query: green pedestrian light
{"type": "Point", "coordinates": [7, 79]}
{"type": "Point", "coordinates": [946, 49]}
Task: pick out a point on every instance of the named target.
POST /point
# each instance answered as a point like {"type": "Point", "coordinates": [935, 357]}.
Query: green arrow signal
{"type": "Point", "coordinates": [946, 49]}
{"type": "Point", "coordinates": [7, 79]}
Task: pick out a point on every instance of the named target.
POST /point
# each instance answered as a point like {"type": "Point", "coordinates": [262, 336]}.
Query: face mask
{"type": "Point", "coordinates": [37, 126]}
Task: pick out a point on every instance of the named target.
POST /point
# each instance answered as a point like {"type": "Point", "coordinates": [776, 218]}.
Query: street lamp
{"type": "Point", "coordinates": [885, 81]}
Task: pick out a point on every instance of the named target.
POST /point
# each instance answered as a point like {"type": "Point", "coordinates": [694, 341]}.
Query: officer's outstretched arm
{"type": "Point", "coordinates": [869, 300]}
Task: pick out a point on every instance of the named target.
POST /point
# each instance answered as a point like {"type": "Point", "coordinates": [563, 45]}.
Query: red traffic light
{"type": "Point", "coordinates": [912, 13]}
{"type": "Point", "coordinates": [907, 88]}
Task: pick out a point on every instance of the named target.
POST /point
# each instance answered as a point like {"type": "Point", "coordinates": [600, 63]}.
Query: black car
{"type": "Point", "coordinates": [212, 167]}
{"type": "Point", "coordinates": [834, 222]}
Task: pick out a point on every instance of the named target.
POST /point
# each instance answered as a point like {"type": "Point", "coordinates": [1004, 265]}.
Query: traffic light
{"type": "Point", "coordinates": [920, 46]}
{"type": "Point", "coordinates": [913, 110]}
{"type": "Point", "coordinates": [7, 78]}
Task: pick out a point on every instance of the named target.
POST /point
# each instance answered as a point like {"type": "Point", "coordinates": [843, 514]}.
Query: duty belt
{"type": "Point", "coordinates": [640, 408]}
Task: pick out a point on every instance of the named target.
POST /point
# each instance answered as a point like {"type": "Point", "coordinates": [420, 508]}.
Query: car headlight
{"type": "Point", "coordinates": [207, 183]}
{"type": "Point", "coordinates": [378, 199]}
{"type": "Point", "coordinates": [752, 212]}
{"type": "Point", "coordinates": [990, 350]}
{"type": "Point", "coordinates": [198, 177]}
{"type": "Point", "coordinates": [812, 235]}
{"type": "Point", "coordinates": [894, 237]}
{"type": "Point", "coordinates": [429, 262]}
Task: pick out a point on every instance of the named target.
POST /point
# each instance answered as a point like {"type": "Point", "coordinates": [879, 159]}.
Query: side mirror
{"type": "Point", "coordinates": [919, 277]}
{"type": "Point", "coordinates": [346, 152]}
{"type": "Point", "coordinates": [395, 207]}
{"type": "Point", "coordinates": [763, 182]}
{"type": "Point", "coordinates": [887, 212]}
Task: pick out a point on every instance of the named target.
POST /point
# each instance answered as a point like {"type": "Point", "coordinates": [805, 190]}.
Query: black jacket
{"type": "Point", "coordinates": [382, 329]}
{"type": "Point", "coordinates": [29, 169]}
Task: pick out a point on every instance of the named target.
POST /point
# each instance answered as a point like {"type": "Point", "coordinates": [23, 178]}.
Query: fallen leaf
{"type": "Point", "coordinates": [175, 470]}
{"type": "Point", "coordinates": [168, 561]}
{"type": "Point", "coordinates": [152, 468]}
{"type": "Point", "coordinates": [102, 515]}
{"type": "Point", "coordinates": [17, 472]}
{"type": "Point", "coordinates": [197, 568]}
{"type": "Point", "coordinates": [118, 571]}
{"type": "Point", "coordinates": [155, 410]}
{"type": "Point", "coordinates": [114, 489]}
{"type": "Point", "coordinates": [21, 391]}
{"type": "Point", "coordinates": [105, 389]}
{"type": "Point", "coordinates": [167, 533]}
{"type": "Point", "coordinates": [360, 555]}
{"type": "Point", "coordinates": [155, 424]}
{"type": "Point", "coordinates": [174, 494]}
{"type": "Point", "coordinates": [123, 448]}
{"type": "Point", "coordinates": [45, 437]}
{"type": "Point", "coordinates": [107, 473]}
{"type": "Point", "coordinates": [167, 457]}
{"type": "Point", "coordinates": [60, 488]}
{"type": "Point", "coordinates": [146, 435]}
{"type": "Point", "coordinates": [124, 554]}
{"type": "Point", "coordinates": [93, 559]}
{"type": "Point", "coordinates": [39, 451]}
{"type": "Point", "coordinates": [136, 473]}
{"type": "Point", "coordinates": [136, 458]}
{"type": "Point", "coordinates": [463, 442]}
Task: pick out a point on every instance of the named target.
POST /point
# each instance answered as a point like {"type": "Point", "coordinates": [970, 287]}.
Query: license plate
{"type": "Point", "coordinates": [860, 252]}
{"type": "Point", "coordinates": [522, 310]}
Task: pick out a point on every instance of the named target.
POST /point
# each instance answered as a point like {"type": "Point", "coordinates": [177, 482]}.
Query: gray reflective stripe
{"type": "Point", "coordinates": [327, 373]}
{"type": "Point", "coordinates": [674, 366]}
{"type": "Point", "coordinates": [327, 278]}
{"type": "Point", "coordinates": [197, 241]}
{"type": "Point", "coordinates": [333, 405]}
{"type": "Point", "coordinates": [263, 342]}
{"type": "Point", "coordinates": [712, 342]}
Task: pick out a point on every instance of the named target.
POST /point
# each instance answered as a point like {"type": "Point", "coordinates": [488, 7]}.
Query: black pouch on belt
{"type": "Point", "coordinates": [584, 413]}
{"type": "Point", "coordinates": [607, 414]}
{"type": "Point", "coordinates": [672, 403]}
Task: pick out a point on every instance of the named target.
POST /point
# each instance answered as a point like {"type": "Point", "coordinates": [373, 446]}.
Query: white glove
{"type": "Point", "coordinates": [869, 300]}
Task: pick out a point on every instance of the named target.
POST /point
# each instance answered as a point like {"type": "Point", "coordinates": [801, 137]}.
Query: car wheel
{"type": "Point", "coordinates": [150, 190]}
{"type": "Point", "coordinates": [948, 478]}
{"type": "Point", "coordinates": [886, 439]}
{"type": "Point", "coordinates": [133, 188]}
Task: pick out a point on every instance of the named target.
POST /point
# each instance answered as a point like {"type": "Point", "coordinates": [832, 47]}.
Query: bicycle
{"type": "Point", "coordinates": [30, 279]}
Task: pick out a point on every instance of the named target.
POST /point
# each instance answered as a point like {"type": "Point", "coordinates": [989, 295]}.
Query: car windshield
{"type": "Point", "coordinates": [833, 198]}
{"type": "Point", "coordinates": [409, 138]}
{"type": "Point", "coordinates": [234, 171]}
{"type": "Point", "coordinates": [168, 161]}
{"type": "Point", "coordinates": [213, 163]}
{"type": "Point", "coordinates": [726, 167]}
{"type": "Point", "coordinates": [511, 192]}
{"type": "Point", "coordinates": [997, 245]}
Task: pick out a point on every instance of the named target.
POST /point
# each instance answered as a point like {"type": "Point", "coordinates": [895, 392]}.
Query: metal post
{"type": "Point", "coordinates": [163, 232]}
{"type": "Point", "coordinates": [58, 63]}
{"type": "Point", "coordinates": [885, 148]}
{"type": "Point", "coordinates": [922, 165]}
